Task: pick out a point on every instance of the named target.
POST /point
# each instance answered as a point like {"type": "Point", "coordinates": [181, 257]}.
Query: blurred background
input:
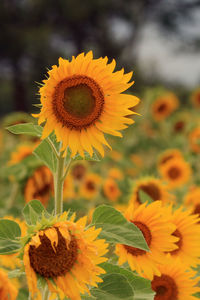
{"type": "Point", "coordinates": [159, 40]}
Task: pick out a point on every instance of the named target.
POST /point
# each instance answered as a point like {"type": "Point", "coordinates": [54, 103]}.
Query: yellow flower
{"type": "Point", "coordinates": [164, 106]}
{"type": "Point", "coordinates": [168, 155]}
{"type": "Point", "coordinates": [115, 173]}
{"type": "Point", "coordinates": [78, 170]}
{"type": "Point", "coordinates": [7, 290]}
{"type": "Point", "coordinates": [66, 255]}
{"type": "Point", "coordinates": [195, 98]}
{"type": "Point", "coordinates": [188, 232]}
{"type": "Point", "coordinates": [176, 172]}
{"type": "Point", "coordinates": [111, 189]}
{"type": "Point", "coordinates": [11, 261]}
{"type": "Point", "coordinates": [83, 99]}
{"type": "Point", "coordinates": [90, 186]}
{"type": "Point", "coordinates": [157, 231]}
{"type": "Point", "coordinates": [194, 140]}
{"type": "Point", "coordinates": [39, 186]}
{"type": "Point", "coordinates": [21, 152]}
{"type": "Point", "coordinates": [192, 200]}
{"type": "Point", "coordinates": [153, 187]}
{"type": "Point", "coordinates": [175, 282]}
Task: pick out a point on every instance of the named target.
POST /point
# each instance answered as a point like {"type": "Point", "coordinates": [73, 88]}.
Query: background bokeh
{"type": "Point", "coordinates": [159, 40]}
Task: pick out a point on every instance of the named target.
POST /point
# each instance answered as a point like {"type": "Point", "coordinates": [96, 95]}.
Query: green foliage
{"type": "Point", "coordinates": [144, 197]}
{"type": "Point", "coordinates": [10, 233]}
{"type": "Point", "coordinates": [87, 157]}
{"type": "Point", "coordinates": [141, 286]}
{"type": "Point", "coordinates": [26, 128]}
{"type": "Point", "coordinates": [116, 229]}
{"type": "Point", "coordinates": [33, 212]}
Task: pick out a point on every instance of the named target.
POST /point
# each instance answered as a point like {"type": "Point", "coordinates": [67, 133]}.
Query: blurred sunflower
{"type": "Point", "coordinates": [66, 256]}
{"type": "Point", "coordinates": [195, 98]}
{"type": "Point", "coordinates": [39, 186]}
{"type": "Point", "coordinates": [137, 160]}
{"type": "Point", "coordinates": [115, 173]}
{"type": "Point", "coordinates": [192, 200]}
{"type": "Point", "coordinates": [175, 282]}
{"type": "Point", "coordinates": [68, 188]}
{"type": "Point", "coordinates": [164, 106]}
{"type": "Point", "coordinates": [157, 231]}
{"type": "Point", "coordinates": [116, 155]}
{"type": "Point", "coordinates": [83, 99]}
{"type": "Point", "coordinates": [188, 232]}
{"type": "Point", "coordinates": [8, 291]}
{"type": "Point", "coordinates": [78, 170]}
{"type": "Point", "coordinates": [90, 186]}
{"type": "Point", "coordinates": [153, 187]}
{"type": "Point", "coordinates": [111, 189]}
{"type": "Point", "coordinates": [11, 261]}
{"type": "Point", "coordinates": [176, 172]}
{"type": "Point", "coordinates": [194, 140]}
{"type": "Point", "coordinates": [21, 152]}
{"type": "Point", "coordinates": [167, 155]}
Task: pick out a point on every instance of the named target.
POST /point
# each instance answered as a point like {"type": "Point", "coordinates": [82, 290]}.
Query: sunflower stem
{"type": "Point", "coordinates": [58, 184]}
{"type": "Point", "coordinates": [67, 168]}
{"type": "Point", "coordinates": [53, 147]}
{"type": "Point", "coordinates": [45, 294]}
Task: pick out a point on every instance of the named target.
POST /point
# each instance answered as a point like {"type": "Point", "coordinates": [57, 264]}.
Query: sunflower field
{"type": "Point", "coordinates": [89, 213]}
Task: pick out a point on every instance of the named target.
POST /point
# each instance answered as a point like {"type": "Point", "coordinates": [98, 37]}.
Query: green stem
{"type": "Point", "coordinates": [58, 185]}
{"type": "Point", "coordinates": [67, 168]}
{"type": "Point", "coordinates": [45, 294]}
{"type": "Point", "coordinates": [53, 147]}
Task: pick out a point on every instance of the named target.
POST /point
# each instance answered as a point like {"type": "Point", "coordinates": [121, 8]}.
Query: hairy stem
{"type": "Point", "coordinates": [58, 185]}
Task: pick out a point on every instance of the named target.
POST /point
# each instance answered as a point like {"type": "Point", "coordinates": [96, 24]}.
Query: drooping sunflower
{"type": "Point", "coordinates": [39, 186]}
{"type": "Point", "coordinates": [21, 152]}
{"type": "Point", "coordinates": [167, 155]}
{"type": "Point", "coordinates": [66, 255]}
{"type": "Point", "coordinates": [194, 140]}
{"type": "Point", "coordinates": [83, 99]}
{"type": "Point", "coordinates": [111, 189]}
{"type": "Point", "coordinates": [192, 200]}
{"type": "Point", "coordinates": [163, 106]}
{"type": "Point", "coordinates": [7, 289]}
{"type": "Point", "coordinates": [195, 98]}
{"type": "Point", "coordinates": [175, 282]}
{"type": "Point", "coordinates": [153, 187]}
{"type": "Point", "coordinates": [11, 261]}
{"type": "Point", "coordinates": [90, 186]}
{"type": "Point", "coordinates": [176, 172]}
{"type": "Point", "coordinates": [157, 231]}
{"type": "Point", "coordinates": [188, 232]}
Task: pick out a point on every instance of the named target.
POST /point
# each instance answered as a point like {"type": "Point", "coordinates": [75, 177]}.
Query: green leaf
{"type": "Point", "coordinates": [26, 128]}
{"type": "Point", "coordinates": [116, 229]}
{"type": "Point", "coordinates": [33, 212]}
{"type": "Point", "coordinates": [87, 157]}
{"type": "Point", "coordinates": [113, 287]}
{"type": "Point", "coordinates": [141, 286]}
{"type": "Point", "coordinates": [18, 171]}
{"type": "Point", "coordinates": [46, 154]}
{"type": "Point", "coordinates": [144, 197]}
{"type": "Point", "coordinates": [10, 233]}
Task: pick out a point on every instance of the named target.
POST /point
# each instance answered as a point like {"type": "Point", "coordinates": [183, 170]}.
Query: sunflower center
{"type": "Point", "coordinates": [78, 171]}
{"type": "Point", "coordinates": [147, 235]}
{"type": "Point", "coordinates": [78, 102]}
{"type": "Point", "coordinates": [174, 173]}
{"type": "Point", "coordinates": [162, 107]}
{"type": "Point", "coordinates": [49, 263]}
{"type": "Point", "coordinates": [179, 126]}
{"type": "Point", "coordinates": [150, 189]}
{"type": "Point", "coordinates": [197, 210]}
{"type": "Point", "coordinates": [179, 243]}
{"type": "Point", "coordinates": [44, 190]}
{"type": "Point", "coordinates": [165, 288]}
{"type": "Point", "coordinates": [90, 185]}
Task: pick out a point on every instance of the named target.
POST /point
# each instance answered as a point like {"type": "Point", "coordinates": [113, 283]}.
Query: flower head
{"type": "Point", "coordinates": [164, 106]}
{"type": "Point", "coordinates": [7, 290]}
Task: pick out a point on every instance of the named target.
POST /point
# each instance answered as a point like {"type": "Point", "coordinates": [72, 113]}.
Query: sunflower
{"type": "Point", "coordinates": [194, 140]}
{"type": "Point", "coordinates": [164, 106]}
{"type": "Point", "coordinates": [115, 173]}
{"type": "Point", "coordinates": [83, 99]}
{"type": "Point", "coordinates": [116, 155]}
{"type": "Point", "coordinates": [195, 98]}
{"type": "Point", "coordinates": [111, 189]}
{"type": "Point", "coordinates": [137, 160]}
{"type": "Point", "coordinates": [188, 232]}
{"type": "Point", "coordinates": [90, 186]}
{"type": "Point", "coordinates": [21, 152]}
{"type": "Point", "coordinates": [68, 188]}
{"type": "Point", "coordinates": [66, 255]}
{"type": "Point", "coordinates": [78, 170]}
{"type": "Point", "coordinates": [157, 231]}
{"type": "Point", "coordinates": [39, 186]}
{"type": "Point", "coordinates": [176, 172]}
{"type": "Point", "coordinates": [192, 200]}
{"type": "Point", "coordinates": [168, 155]}
{"type": "Point", "coordinates": [11, 261]}
{"type": "Point", "coordinates": [7, 290]}
{"type": "Point", "coordinates": [175, 282]}
{"type": "Point", "coordinates": [153, 187]}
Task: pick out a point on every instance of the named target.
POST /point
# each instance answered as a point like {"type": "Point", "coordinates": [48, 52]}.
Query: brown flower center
{"type": "Point", "coordinates": [78, 102]}
{"type": "Point", "coordinates": [174, 173]}
{"type": "Point", "coordinates": [150, 189]}
{"type": "Point", "coordinates": [179, 126]}
{"type": "Point", "coordinates": [78, 171]}
{"type": "Point", "coordinates": [147, 235]}
{"type": "Point", "coordinates": [179, 243]}
{"type": "Point", "coordinates": [90, 185]}
{"type": "Point", "coordinates": [162, 107]}
{"type": "Point", "coordinates": [49, 263]}
{"type": "Point", "coordinates": [197, 209]}
{"type": "Point", "coordinates": [165, 288]}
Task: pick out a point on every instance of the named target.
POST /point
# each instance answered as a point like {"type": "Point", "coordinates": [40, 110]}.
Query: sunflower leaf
{"type": "Point", "coordinates": [33, 212]}
{"type": "Point", "coordinates": [116, 229]}
{"type": "Point", "coordinates": [10, 233]}
{"type": "Point", "coordinates": [87, 157]}
{"type": "Point", "coordinates": [141, 286]}
{"type": "Point", "coordinates": [144, 197]}
{"type": "Point", "coordinates": [26, 128]}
